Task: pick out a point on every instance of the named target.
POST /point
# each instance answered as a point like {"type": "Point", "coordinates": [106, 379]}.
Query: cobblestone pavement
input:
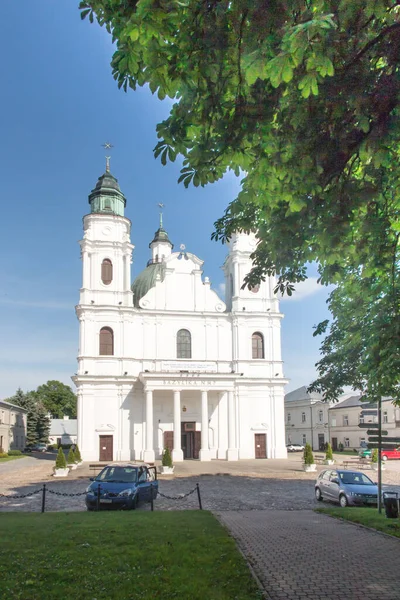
{"type": "Point", "coordinates": [302, 555]}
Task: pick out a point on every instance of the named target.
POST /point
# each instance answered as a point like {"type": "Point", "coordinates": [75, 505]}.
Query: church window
{"type": "Point", "coordinates": [106, 342]}
{"type": "Point", "coordinates": [257, 345]}
{"type": "Point", "coordinates": [106, 271]}
{"type": "Point", "coordinates": [183, 344]}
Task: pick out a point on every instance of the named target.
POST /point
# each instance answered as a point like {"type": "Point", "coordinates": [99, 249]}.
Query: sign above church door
{"type": "Point", "coordinates": [174, 365]}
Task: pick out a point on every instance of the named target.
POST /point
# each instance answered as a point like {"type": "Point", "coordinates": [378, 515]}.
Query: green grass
{"type": "Point", "coordinates": [184, 555]}
{"type": "Point", "coordinates": [7, 458]}
{"type": "Point", "coordinates": [365, 516]}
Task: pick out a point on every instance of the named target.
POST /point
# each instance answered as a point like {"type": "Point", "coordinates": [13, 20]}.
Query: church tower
{"type": "Point", "coordinates": [106, 248]}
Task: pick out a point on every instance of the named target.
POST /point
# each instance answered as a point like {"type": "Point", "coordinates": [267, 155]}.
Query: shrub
{"type": "Point", "coordinates": [308, 455]}
{"type": "Point", "coordinates": [71, 457]}
{"type": "Point", "coordinates": [166, 458]}
{"type": "Point", "coordinates": [53, 447]}
{"type": "Point", "coordinates": [374, 455]}
{"type": "Point", "coordinates": [14, 453]}
{"type": "Point", "coordinates": [329, 453]}
{"type": "Point", "coordinates": [341, 447]}
{"type": "Point", "coordinates": [3, 455]}
{"type": "Point", "coordinates": [77, 452]}
{"type": "Point", "coordinates": [61, 463]}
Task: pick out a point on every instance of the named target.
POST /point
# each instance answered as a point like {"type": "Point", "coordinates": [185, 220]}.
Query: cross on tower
{"type": "Point", "coordinates": [107, 146]}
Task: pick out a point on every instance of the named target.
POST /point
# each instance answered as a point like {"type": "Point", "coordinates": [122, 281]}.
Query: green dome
{"type": "Point", "coordinates": [146, 280]}
{"type": "Point", "coordinates": [106, 197]}
{"type": "Point", "coordinates": [161, 236]}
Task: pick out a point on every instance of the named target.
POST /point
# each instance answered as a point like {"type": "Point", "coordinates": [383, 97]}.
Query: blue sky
{"type": "Point", "coordinates": [59, 103]}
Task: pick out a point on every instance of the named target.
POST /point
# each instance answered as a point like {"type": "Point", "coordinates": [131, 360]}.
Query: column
{"type": "Point", "coordinates": [222, 425]}
{"type": "Point", "coordinates": [177, 454]}
{"type": "Point", "coordinates": [148, 455]}
{"type": "Point", "coordinates": [232, 453]}
{"type": "Point", "coordinates": [204, 453]}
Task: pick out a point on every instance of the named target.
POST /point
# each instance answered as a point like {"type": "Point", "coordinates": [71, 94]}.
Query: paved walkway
{"type": "Point", "coordinates": [302, 555]}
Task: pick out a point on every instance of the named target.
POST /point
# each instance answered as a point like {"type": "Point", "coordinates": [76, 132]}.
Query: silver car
{"type": "Point", "coordinates": [349, 488]}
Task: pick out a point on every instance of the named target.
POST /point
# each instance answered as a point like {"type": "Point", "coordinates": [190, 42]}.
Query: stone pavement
{"type": "Point", "coordinates": [302, 555]}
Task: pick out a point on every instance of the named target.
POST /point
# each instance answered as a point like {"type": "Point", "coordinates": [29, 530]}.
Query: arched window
{"type": "Point", "coordinates": [257, 341]}
{"type": "Point", "coordinates": [183, 344]}
{"type": "Point", "coordinates": [106, 271]}
{"type": "Point", "coordinates": [106, 341]}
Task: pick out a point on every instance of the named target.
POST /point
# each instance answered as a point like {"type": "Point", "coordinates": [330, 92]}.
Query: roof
{"type": "Point", "coordinates": [161, 236]}
{"type": "Point", "coordinates": [107, 185]}
{"type": "Point", "coordinates": [350, 402]}
{"type": "Point", "coordinates": [63, 427]}
{"type": "Point", "coordinates": [146, 280]}
{"type": "Point", "coordinates": [301, 393]}
{"type": "Point", "coordinates": [8, 404]}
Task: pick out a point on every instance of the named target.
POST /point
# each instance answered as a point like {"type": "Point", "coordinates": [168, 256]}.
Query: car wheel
{"type": "Point", "coordinates": [343, 501]}
{"type": "Point", "coordinates": [384, 458]}
{"type": "Point", "coordinates": [135, 502]}
{"type": "Point", "coordinates": [318, 494]}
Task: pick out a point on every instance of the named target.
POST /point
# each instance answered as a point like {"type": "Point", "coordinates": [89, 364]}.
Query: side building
{"type": "Point", "coordinates": [12, 426]}
{"type": "Point", "coordinates": [306, 418]}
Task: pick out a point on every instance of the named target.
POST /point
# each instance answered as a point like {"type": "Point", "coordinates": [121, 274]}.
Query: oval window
{"type": "Point", "coordinates": [106, 271]}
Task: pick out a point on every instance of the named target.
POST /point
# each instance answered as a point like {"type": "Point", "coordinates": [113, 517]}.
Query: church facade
{"type": "Point", "coordinates": [165, 362]}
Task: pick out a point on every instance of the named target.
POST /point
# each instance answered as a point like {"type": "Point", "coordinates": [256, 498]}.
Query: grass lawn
{"type": "Point", "coordinates": [184, 555]}
{"type": "Point", "coordinates": [7, 458]}
{"type": "Point", "coordinates": [366, 516]}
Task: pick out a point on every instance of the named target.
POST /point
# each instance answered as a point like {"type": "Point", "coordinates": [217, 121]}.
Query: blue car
{"type": "Point", "coordinates": [349, 488]}
{"type": "Point", "coordinates": [122, 486]}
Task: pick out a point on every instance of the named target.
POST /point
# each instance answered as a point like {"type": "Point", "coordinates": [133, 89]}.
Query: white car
{"type": "Point", "coordinates": [295, 447]}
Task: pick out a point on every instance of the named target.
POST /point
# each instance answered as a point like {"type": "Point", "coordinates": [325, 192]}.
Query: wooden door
{"type": "Point", "coordinates": [106, 448]}
{"type": "Point", "coordinates": [334, 443]}
{"type": "Point", "coordinates": [169, 440]}
{"type": "Point", "coordinates": [260, 442]}
{"type": "Point", "coordinates": [197, 444]}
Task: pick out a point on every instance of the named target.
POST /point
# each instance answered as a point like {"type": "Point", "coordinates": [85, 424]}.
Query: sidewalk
{"type": "Point", "coordinates": [302, 555]}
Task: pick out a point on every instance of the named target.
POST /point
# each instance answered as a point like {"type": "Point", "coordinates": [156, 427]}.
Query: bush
{"type": "Point", "coordinates": [308, 455]}
{"type": "Point", "coordinates": [341, 447]}
{"type": "Point", "coordinates": [329, 453]}
{"type": "Point", "coordinates": [3, 455]}
{"type": "Point", "coordinates": [61, 463]}
{"type": "Point", "coordinates": [166, 458]}
{"type": "Point", "coordinates": [77, 452]}
{"type": "Point", "coordinates": [71, 457]}
{"type": "Point", "coordinates": [14, 453]}
{"type": "Point", "coordinates": [374, 455]}
{"type": "Point", "coordinates": [52, 447]}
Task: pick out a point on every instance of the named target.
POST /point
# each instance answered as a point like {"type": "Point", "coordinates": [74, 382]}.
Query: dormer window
{"type": "Point", "coordinates": [106, 271]}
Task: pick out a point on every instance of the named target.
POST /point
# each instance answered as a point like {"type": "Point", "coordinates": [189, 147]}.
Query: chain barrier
{"type": "Point", "coordinates": [12, 497]}
{"type": "Point", "coordinates": [180, 497]}
{"type": "Point", "coordinates": [65, 494]}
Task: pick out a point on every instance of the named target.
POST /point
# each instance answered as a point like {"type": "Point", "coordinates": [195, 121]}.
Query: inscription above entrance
{"type": "Point", "coordinates": [205, 367]}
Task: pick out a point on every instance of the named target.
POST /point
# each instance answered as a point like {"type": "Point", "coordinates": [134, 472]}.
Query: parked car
{"type": "Point", "coordinates": [36, 448]}
{"type": "Point", "coordinates": [346, 487]}
{"type": "Point", "coordinates": [295, 447]}
{"type": "Point", "coordinates": [122, 486]}
{"type": "Point", "coordinates": [392, 454]}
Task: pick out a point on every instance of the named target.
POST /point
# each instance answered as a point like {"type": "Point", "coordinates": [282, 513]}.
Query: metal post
{"type": "Point", "coordinates": [44, 498]}
{"type": "Point", "coordinates": [198, 496]}
{"type": "Point", "coordinates": [379, 454]}
{"type": "Point", "coordinates": [151, 497]}
{"type": "Point", "coordinates": [98, 498]}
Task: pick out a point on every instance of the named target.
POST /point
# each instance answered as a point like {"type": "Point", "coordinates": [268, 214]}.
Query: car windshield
{"type": "Point", "coordinates": [355, 479]}
{"type": "Point", "coordinates": [118, 475]}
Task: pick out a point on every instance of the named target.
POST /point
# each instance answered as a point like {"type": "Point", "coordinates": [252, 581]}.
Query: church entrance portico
{"type": "Point", "coordinates": [201, 433]}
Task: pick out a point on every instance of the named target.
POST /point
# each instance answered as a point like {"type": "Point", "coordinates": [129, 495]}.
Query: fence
{"type": "Point", "coordinates": [45, 490]}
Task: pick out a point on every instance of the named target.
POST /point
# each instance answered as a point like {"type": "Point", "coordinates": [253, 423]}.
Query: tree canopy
{"type": "Point", "coordinates": [38, 423]}
{"type": "Point", "coordinates": [302, 99]}
{"type": "Point", "coordinates": [57, 398]}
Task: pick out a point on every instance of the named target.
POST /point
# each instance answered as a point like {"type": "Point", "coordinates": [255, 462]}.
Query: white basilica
{"type": "Point", "coordinates": [165, 362]}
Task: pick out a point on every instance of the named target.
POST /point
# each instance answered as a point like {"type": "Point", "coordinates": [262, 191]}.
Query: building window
{"type": "Point", "coordinates": [385, 416]}
{"type": "Point", "coordinates": [106, 342]}
{"type": "Point", "coordinates": [361, 419]}
{"type": "Point", "coordinates": [303, 417]}
{"type": "Point", "coordinates": [321, 416]}
{"type": "Point", "coordinates": [257, 341]}
{"type": "Point", "coordinates": [347, 442]}
{"type": "Point", "coordinates": [106, 271]}
{"type": "Point", "coordinates": [345, 420]}
{"type": "Point", "coordinates": [289, 417]}
{"type": "Point", "coordinates": [183, 344]}
{"type": "Point", "coordinates": [304, 439]}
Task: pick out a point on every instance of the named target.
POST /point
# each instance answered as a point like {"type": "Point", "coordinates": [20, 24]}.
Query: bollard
{"type": "Point", "coordinates": [151, 497]}
{"type": "Point", "coordinates": [44, 498]}
{"type": "Point", "coordinates": [98, 497]}
{"type": "Point", "coordinates": [198, 496]}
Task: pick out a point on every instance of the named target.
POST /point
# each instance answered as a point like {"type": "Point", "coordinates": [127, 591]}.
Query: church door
{"type": "Point", "coordinates": [260, 442]}
{"type": "Point", "coordinates": [169, 440]}
{"type": "Point", "coordinates": [106, 448]}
